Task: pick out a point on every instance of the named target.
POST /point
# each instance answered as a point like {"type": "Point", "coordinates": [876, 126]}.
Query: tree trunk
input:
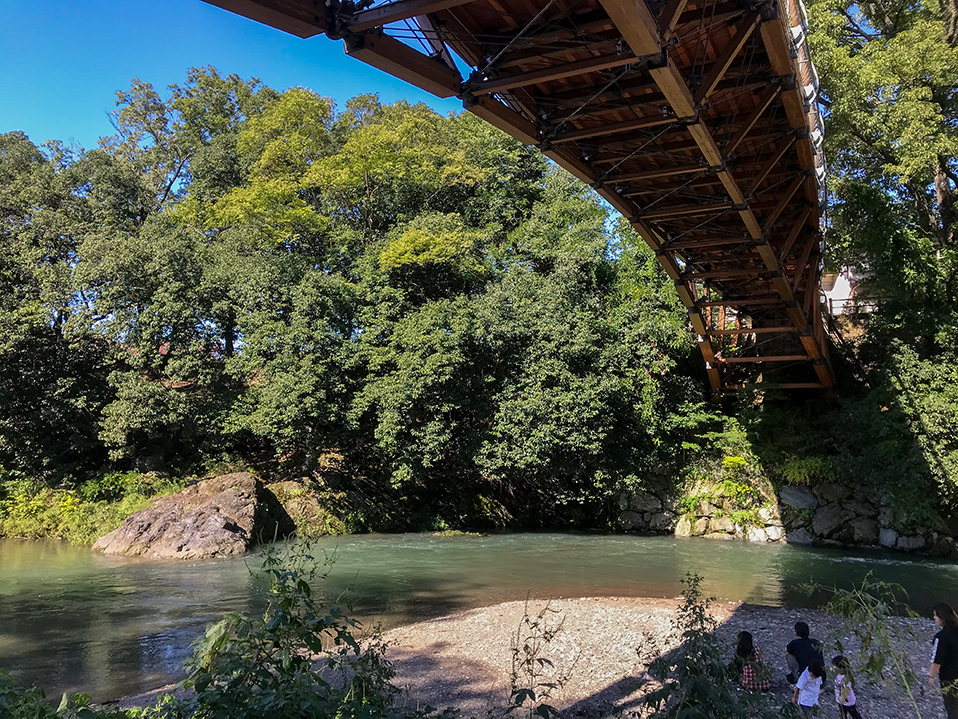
{"type": "Point", "coordinates": [229, 334]}
{"type": "Point", "coordinates": [945, 196]}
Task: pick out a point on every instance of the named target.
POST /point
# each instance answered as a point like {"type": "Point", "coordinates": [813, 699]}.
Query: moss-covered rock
{"type": "Point", "coordinates": [307, 506]}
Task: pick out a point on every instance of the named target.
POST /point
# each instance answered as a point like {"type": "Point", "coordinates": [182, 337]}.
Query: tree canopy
{"type": "Point", "coordinates": [264, 276]}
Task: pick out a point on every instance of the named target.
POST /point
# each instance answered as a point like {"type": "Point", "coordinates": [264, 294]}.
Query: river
{"type": "Point", "coordinates": [74, 621]}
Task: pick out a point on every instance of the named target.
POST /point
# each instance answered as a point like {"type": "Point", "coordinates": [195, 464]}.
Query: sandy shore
{"type": "Point", "coordinates": [604, 646]}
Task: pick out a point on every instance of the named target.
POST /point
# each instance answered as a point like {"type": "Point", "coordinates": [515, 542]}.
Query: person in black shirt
{"type": "Point", "coordinates": [801, 652]}
{"type": "Point", "coordinates": [944, 663]}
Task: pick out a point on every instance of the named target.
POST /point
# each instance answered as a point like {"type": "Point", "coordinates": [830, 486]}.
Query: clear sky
{"type": "Point", "coordinates": [62, 62]}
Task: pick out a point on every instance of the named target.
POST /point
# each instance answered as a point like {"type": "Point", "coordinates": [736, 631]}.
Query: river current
{"type": "Point", "coordinates": [72, 620]}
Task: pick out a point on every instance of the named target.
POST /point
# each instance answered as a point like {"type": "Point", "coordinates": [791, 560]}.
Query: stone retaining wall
{"type": "Point", "coordinates": [827, 514]}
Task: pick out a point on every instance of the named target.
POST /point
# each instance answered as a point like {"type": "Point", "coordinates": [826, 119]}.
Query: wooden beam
{"type": "Point", "coordinates": [770, 165]}
{"type": "Point", "coordinates": [753, 331]}
{"type": "Point", "coordinates": [656, 174]}
{"type": "Point", "coordinates": [505, 119]}
{"type": "Point", "coordinates": [391, 56]}
{"type": "Point", "coordinates": [431, 32]}
{"type": "Point", "coordinates": [743, 30]}
{"type": "Point", "coordinates": [634, 20]}
{"type": "Point", "coordinates": [641, 90]}
{"type": "Point", "coordinates": [702, 243]}
{"type": "Point", "coordinates": [783, 201]}
{"type": "Point", "coordinates": [672, 85]}
{"type": "Point", "coordinates": [760, 386]}
{"type": "Point", "coordinates": [800, 267]}
{"type": "Point", "coordinates": [743, 302]}
{"type": "Point", "coordinates": [793, 235]}
{"type": "Point", "coordinates": [605, 41]}
{"type": "Point", "coordinates": [556, 72]}
{"type": "Point", "coordinates": [670, 15]}
{"type": "Point", "coordinates": [768, 97]}
{"type": "Point", "coordinates": [396, 11]}
{"type": "Point", "coordinates": [297, 17]}
{"type": "Point", "coordinates": [769, 358]}
{"type": "Point", "coordinates": [616, 127]}
{"type": "Point", "coordinates": [682, 211]}
{"type": "Point", "coordinates": [724, 274]}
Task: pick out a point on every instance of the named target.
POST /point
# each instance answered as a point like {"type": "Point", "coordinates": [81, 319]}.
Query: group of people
{"type": "Point", "coordinates": [806, 668]}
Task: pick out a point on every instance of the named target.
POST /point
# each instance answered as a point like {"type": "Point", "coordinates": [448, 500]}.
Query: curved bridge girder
{"type": "Point", "coordinates": [693, 118]}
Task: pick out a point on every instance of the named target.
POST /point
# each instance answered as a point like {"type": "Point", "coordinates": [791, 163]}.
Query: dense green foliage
{"type": "Point", "coordinates": [248, 276]}
{"type": "Point", "coordinates": [31, 510]}
{"type": "Point", "coordinates": [252, 275]}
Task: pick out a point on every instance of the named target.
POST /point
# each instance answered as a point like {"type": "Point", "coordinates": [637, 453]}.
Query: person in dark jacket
{"type": "Point", "coordinates": [944, 663]}
{"type": "Point", "coordinates": [801, 652]}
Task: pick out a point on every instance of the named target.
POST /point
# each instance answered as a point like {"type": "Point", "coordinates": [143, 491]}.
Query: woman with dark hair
{"type": "Point", "coordinates": [944, 663]}
{"type": "Point", "coordinates": [754, 675]}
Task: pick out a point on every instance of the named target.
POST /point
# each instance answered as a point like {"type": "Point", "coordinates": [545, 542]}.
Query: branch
{"type": "Point", "coordinates": [857, 28]}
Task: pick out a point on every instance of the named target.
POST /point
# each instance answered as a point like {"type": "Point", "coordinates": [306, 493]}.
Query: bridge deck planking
{"type": "Point", "coordinates": [693, 118]}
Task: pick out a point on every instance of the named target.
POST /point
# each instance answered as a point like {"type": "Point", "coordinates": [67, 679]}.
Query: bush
{"type": "Point", "coordinates": [33, 511]}
{"type": "Point", "coordinates": [295, 660]}
{"type": "Point", "coordinates": [16, 703]}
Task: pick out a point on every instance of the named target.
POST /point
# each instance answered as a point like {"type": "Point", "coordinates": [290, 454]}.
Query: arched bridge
{"type": "Point", "coordinates": [695, 119]}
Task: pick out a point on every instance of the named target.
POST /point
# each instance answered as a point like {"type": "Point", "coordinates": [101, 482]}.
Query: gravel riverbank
{"type": "Point", "coordinates": [604, 645]}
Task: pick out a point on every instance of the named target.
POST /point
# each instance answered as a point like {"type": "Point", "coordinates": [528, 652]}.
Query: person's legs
{"type": "Point", "coordinates": [850, 712]}
{"type": "Point", "coordinates": [949, 692]}
{"type": "Point", "coordinates": [793, 671]}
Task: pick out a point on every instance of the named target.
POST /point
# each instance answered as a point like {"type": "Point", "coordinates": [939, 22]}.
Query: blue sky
{"type": "Point", "coordinates": [62, 62]}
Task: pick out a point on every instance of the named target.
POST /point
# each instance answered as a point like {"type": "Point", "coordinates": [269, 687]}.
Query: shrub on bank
{"type": "Point", "coordinates": [30, 510]}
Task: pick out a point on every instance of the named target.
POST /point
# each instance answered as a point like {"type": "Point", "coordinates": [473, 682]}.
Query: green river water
{"type": "Point", "coordinates": [71, 620]}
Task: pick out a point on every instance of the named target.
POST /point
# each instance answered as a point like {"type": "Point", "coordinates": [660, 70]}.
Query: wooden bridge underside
{"type": "Point", "coordinates": [693, 118]}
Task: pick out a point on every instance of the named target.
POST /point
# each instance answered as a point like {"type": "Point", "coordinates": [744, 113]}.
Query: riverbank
{"type": "Point", "coordinates": [604, 646]}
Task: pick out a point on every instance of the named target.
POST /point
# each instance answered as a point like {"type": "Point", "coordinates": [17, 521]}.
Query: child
{"type": "Point", "coordinates": [808, 688]}
{"type": "Point", "coordinates": [844, 692]}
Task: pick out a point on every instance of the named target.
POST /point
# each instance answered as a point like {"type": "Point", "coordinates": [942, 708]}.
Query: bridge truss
{"type": "Point", "coordinates": [695, 119]}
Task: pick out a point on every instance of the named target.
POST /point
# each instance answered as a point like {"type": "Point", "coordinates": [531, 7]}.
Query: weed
{"type": "Point", "coordinates": [867, 615]}
{"type": "Point", "coordinates": [534, 677]}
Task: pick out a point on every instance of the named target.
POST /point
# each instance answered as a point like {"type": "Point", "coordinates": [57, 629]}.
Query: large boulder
{"type": "Point", "coordinates": [721, 524]}
{"type": "Point", "coordinates": [910, 544]}
{"type": "Point", "coordinates": [631, 520]}
{"type": "Point", "coordinates": [886, 517]}
{"type": "Point", "coordinates": [864, 530]}
{"type": "Point", "coordinates": [887, 537]}
{"type": "Point", "coordinates": [774, 534]}
{"type": "Point", "coordinates": [684, 527]}
{"type": "Point", "coordinates": [798, 497]}
{"type": "Point", "coordinates": [800, 536]}
{"type": "Point", "coordinates": [661, 522]}
{"type": "Point", "coordinates": [832, 492]}
{"type": "Point", "coordinates": [642, 501]}
{"type": "Point", "coordinates": [212, 518]}
{"type": "Point", "coordinates": [827, 519]}
{"type": "Point", "coordinates": [757, 534]}
{"type": "Point", "coordinates": [862, 509]}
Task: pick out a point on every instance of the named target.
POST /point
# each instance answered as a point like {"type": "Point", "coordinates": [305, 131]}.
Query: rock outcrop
{"type": "Point", "coordinates": [213, 518]}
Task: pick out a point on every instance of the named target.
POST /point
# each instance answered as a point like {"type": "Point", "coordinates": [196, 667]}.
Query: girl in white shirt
{"type": "Point", "coordinates": [808, 688]}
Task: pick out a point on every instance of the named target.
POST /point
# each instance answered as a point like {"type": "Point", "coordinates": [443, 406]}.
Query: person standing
{"type": "Point", "coordinates": [844, 691]}
{"type": "Point", "coordinates": [944, 662]}
{"type": "Point", "coordinates": [808, 688]}
{"type": "Point", "coordinates": [801, 652]}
